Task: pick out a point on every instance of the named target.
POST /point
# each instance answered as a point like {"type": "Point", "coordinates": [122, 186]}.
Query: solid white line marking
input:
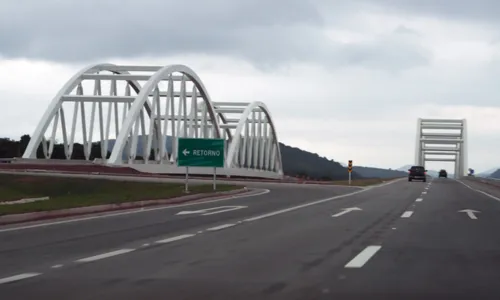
{"type": "Point", "coordinates": [205, 212]}
{"type": "Point", "coordinates": [225, 210]}
{"type": "Point", "coordinates": [363, 257]}
{"type": "Point", "coordinates": [104, 255]}
{"type": "Point", "coordinates": [274, 213]}
{"type": "Point", "coordinates": [221, 227]}
{"type": "Point", "coordinates": [489, 195]}
{"type": "Point", "coordinates": [56, 266]}
{"type": "Point", "coordinates": [108, 215]}
{"type": "Point", "coordinates": [407, 214]}
{"type": "Point", "coordinates": [419, 200]}
{"type": "Point", "coordinates": [479, 191]}
{"type": "Point", "coordinates": [18, 277]}
{"type": "Point", "coordinates": [175, 238]}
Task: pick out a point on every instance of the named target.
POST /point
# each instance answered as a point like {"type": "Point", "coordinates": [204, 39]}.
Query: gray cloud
{"type": "Point", "coordinates": [478, 10]}
{"type": "Point", "coordinates": [266, 33]}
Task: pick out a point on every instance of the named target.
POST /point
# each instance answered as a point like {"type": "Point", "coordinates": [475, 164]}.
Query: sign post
{"type": "Point", "coordinates": [215, 178]}
{"type": "Point", "coordinates": [349, 169]}
{"type": "Point", "coordinates": [186, 182]}
{"type": "Point", "coordinates": [193, 152]}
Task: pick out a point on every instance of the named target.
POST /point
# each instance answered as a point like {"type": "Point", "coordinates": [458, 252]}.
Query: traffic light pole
{"type": "Point", "coordinates": [349, 169]}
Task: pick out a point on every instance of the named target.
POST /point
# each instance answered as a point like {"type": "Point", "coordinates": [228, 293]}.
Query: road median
{"type": "Point", "coordinates": [64, 197]}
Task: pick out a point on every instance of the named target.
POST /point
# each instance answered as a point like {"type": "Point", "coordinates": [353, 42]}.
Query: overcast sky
{"type": "Point", "coordinates": [344, 79]}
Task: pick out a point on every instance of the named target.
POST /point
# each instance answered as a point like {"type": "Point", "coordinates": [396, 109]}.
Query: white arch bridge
{"type": "Point", "coordinates": [138, 112]}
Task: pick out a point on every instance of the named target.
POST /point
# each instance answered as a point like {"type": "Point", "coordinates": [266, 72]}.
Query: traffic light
{"type": "Point", "coordinates": [349, 166]}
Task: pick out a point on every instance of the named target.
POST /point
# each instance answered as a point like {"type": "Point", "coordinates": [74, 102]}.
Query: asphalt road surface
{"type": "Point", "coordinates": [404, 240]}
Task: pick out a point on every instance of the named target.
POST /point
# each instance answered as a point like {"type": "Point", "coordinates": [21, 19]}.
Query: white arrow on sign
{"type": "Point", "coordinates": [210, 211]}
{"type": "Point", "coordinates": [346, 210]}
{"type": "Point", "coordinates": [470, 213]}
{"type": "Point", "coordinates": [185, 152]}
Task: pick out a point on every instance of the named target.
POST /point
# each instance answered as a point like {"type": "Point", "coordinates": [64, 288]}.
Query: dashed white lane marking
{"type": "Point", "coordinates": [423, 193]}
{"type": "Point", "coordinates": [18, 277]}
{"type": "Point", "coordinates": [145, 245]}
{"type": "Point", "coordinates": [175, 238]}
{"type": "Point", "coordinates": [363, 257]}
{"type": "Point", "coordinates": [104, 255]}
{"type": "Point", "coordinates": [407, 214]}
{"type": "Point", "coordinates": [419, 199]}
{"type": "Point", "coordinates": [56, 266]}
{"type": "Point", "coordinates": [221, 227]}
{"type": "Point", "coordinates": [109, 215]}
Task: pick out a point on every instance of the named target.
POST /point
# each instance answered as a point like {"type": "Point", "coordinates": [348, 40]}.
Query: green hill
{"type": "Point", "coordinates": [296, 162]}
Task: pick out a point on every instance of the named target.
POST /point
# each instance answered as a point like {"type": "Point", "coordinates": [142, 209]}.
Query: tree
{"type": "Point", "coordinates": [23, 143]}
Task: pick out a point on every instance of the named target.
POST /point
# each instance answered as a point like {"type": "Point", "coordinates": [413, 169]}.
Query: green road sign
{"type": "Point", "coordinates": [194, 152]}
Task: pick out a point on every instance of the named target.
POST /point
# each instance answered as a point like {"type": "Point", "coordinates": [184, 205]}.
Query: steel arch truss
{"type": "Point", "coordinates": [138, 112]}
{"type": "Point", "coordinates": [251, 134]}
{"type": "Point", "coordinates": [444, 141]}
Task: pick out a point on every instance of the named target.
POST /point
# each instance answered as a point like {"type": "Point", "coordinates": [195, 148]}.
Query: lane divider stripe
{"type": "Point", "coordinates": [104, 255]}
{"type": "Point", "coordinates": [18, 277]}
{"type": "Point", "coordinates": [362, 258]}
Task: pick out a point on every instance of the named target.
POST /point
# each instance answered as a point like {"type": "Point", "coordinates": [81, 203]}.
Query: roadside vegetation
{"type": "Point", "coordinates": [78, 192]}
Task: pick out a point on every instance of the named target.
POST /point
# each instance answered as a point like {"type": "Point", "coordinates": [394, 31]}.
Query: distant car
{"type": "Point", "coordinates": [417, 172]}
{"type": "Point", "coordinates": [443, 173]}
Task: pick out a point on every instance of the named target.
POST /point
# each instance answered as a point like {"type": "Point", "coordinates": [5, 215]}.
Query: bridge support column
{"type": "Point", "coordinates": [418, 145]}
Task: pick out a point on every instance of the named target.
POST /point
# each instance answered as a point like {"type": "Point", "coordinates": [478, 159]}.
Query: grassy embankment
{"type": "Point", "coordinates": [78, 192]}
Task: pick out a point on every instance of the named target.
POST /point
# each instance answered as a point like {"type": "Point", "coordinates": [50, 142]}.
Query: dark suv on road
{"type": "Point", "coordinates": [443, 173]}
{"type": "Point", "coordinates": [417, 172]}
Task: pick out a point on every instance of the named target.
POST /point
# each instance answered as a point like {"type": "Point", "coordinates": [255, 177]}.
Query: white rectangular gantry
{"type": "Point", "coordinates": [446, 138]}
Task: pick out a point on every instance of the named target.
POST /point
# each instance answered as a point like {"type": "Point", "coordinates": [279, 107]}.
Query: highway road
{"type": "Point", "coordinates": [403, 240]}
